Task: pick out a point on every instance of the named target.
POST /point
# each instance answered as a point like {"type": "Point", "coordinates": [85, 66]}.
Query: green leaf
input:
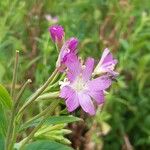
{"type": "Point", "coordinates": [61, 119]}
{"type": "Point", "coordinates": [1, 143]}
{"type": "Point", "coordinates": [5, 98]}
{"type": "Point", "coordinates": [2, 69]}
{"type": "Point", "coordinates": [46, 145]}
{"type": "Point", "coordinates": [3, 121]}
{"type": "Point", "coordinates": [52, 120]}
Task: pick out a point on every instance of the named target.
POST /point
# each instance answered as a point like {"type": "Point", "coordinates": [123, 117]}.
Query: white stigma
{"type": "Point", "coordinates": [79, 84]}
{"type": "Point", "coordinates": [64, 83]}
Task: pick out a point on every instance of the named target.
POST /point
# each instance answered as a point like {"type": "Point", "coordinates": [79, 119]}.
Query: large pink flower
{"type": "Point", "coordinates": [79, 89]}
{"type": "Point", "coordinates": [106, 64]}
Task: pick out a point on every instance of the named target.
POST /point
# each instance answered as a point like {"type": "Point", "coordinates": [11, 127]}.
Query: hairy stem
{"type": "Point", "coordinates": [38, 92]}
{"type": "Point", "coordinates": [15, 74]}
{"type": "Point", "coordinates": [12, 94]}
{"type": "Point", "coordinates": [55, 84]}
{"type": "Point", "coordinates": [48, 96]}
{"type": "Point", "coordinates": [11, 126]}
{"type": "Point", "coordinates": [21, 92]}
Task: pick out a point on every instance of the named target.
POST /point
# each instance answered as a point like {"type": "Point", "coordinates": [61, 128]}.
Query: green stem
{"type": "Point", "coordinates": [38, 92]}
{"type": "Point", "coordinates": [48, 96]}
{"type": "Point", "coordinates": [49, 111]}
{"type": "Point", "coordinates": [10, 146]}
{"type": "Point", "coordinates": [11, 127]}
{"type": "Point", "coordinates": [55, 84]}
{"type": "Point", "coordinates": [35, 117]}
{"type": "Point", "coordinates": [50, 87]}
{"type": "Point", "coordinates": [21, 92]}
{"type": "Point", "coordinates": [57, 47]}
{"type": "Point", "coordinates": [55, 77]}
{"type": "Point", "coordinates": [15, 74]}
{"type": "Point", "coordinates": [9, 130]}
{"type": "Point", "coordinates": [12, 94]}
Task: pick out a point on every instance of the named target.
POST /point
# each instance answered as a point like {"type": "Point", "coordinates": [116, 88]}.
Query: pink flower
{"type": "Point", "coordinates": [57, 34]}
{"type": "Point", "coordinates": [51, 19]}
{"type": "Point", "coordinates": [79, 89]}
{"type": "Point", "coordinates": [69, 49]}
{"type": "Point", "coordinates": [106, 64]}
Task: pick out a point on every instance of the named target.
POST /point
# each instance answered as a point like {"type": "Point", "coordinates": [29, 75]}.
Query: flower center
{"type": "Point", "coordinates": [79, 84]}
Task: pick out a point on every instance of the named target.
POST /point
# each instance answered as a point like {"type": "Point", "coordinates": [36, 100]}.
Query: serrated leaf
{"type": "Point", "coordinates": [5, 98]}
{"type": "Point", "coordinates": [52, 120]}
{"type": "Point", "coordinates": [46, 145]}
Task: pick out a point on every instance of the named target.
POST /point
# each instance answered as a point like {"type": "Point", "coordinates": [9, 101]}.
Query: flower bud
{"type": "Point", "coordinates": [57, 34]}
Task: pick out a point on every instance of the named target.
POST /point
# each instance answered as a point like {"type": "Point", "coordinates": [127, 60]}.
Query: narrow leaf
{"type": "Point", "coordinates": [52, 120]}
{"type": "Point", "coordinates": [3, 122]}
{"type": "Point", "coordinates": [46, 145]}
{"type": "Point", "coordinates": [1, 143]}
{"type": "Point", "coordinates": [61, 119]}
{"type": "Point", "coordinates": [5, 98]}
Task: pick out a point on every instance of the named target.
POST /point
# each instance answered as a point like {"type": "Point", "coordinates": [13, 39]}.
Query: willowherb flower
{"type": "Point", "coordinates": [79, 88]}
{"type": "Point", "coordinates": [68, 51]}
{"type": "Point", "coordinates": [106, 64]}
{"type": "Point", "coordinates": [51, 19]}
{"type": "Point", "coordinates": [57, 34]}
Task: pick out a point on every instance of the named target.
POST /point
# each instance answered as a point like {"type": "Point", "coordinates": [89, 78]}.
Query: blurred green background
{"type": "Point", "coordinates": [121, 25]}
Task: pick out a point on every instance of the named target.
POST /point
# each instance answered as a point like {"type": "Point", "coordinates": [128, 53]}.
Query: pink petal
{"type": "Point", "coordinates": [68, 48]}
{"type": "Point", "coordinates": [66, 92]}
{"type": "Point", "coordinates": [100, 83]}
{"type": "Point", "coordinates": [98, 96]}
{"type": "Point", "coordinates": [113, 73]}
{"type": "Point", "coordinates": [56, 32]}
{"type": "Point", "coordinates": [115, 61]}
{"type": "Point", "coordinates": [73, 66]}
{"type": "Point", "coordinates": [104, 55]}
{"type": "Point", "coordinates": [108, 58]}
{"type": "Point", "coordinates": [72, 102]}
{"type": "Point", "coordinates": [109, 63]}
{"type": "Point", "coordinates": [87, 72]}
{"type": "Point", "coordinates": [86, 103]}
{"type": "Point", "coordinates": [72, 44]}
{"type": "Point", "coordinates": [109, 67]}
{"type": "Point", "coordinates": [106, 64]}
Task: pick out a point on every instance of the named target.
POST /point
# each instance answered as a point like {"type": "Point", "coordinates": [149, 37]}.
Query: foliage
{"type": "Point", "coordinates": [122, 25]}
{"type": "Point", "coordinates": [46, 145]}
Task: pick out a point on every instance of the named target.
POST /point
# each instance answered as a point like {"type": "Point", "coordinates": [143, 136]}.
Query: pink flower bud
{"type": "Point", "coordinates": [57, 33]}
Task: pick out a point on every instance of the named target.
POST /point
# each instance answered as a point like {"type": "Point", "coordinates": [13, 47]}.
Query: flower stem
{"type": "Point", "coordinates": [48, 112]}
{"type": "Point", "coordinates": [21, 92]}
{"type": "Point", "coordinates": [55, 84]}
{"type": "Point", "coordinates": [38, 92]}
{"type": "Point", "coordinates": [35, 117]}
{"type": "Point", "coordinates": [55, 77]}
{"type": "Point", "coordinates": [47, 96]}
{"type": "Point", "coordinates": [15, 74]}
{"type": "Point", "coordinates": [11, 129]}
{"type": "Point", "coordinates": [12, 94]}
